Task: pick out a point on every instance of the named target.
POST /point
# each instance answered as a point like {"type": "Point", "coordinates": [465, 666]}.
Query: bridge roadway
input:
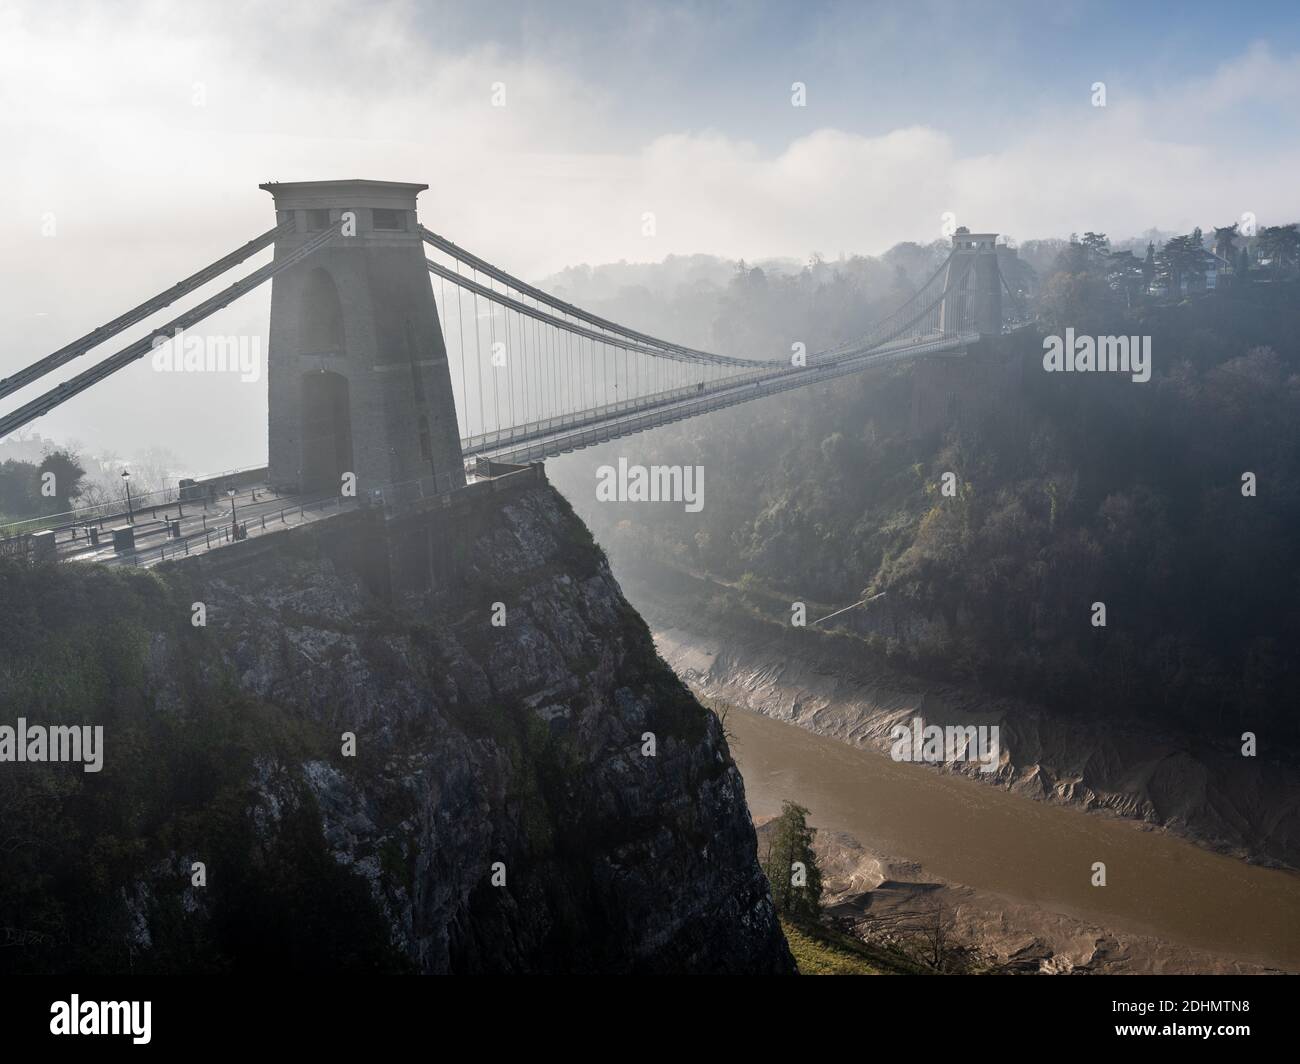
{"type": "Point", "coordinates": [205, 524]}
{"type": "Point", "coordinates": [202, 527]}
{"type": "Point", "coordinates": [556, 436]}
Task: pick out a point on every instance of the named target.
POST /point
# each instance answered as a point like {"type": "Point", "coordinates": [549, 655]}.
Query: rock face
{"type": "Point", "coordinates": [500, 813]}
{"type": "Point", "coordinates": [517, 748]}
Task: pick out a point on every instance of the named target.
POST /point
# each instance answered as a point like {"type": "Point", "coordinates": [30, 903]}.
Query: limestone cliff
{"type": "Point", "coordinates": [518, 747]}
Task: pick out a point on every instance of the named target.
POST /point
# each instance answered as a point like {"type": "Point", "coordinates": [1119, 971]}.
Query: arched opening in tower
{"type": "Point", "coordinates": [322, 315]}
{"type": "Point", "coordinates": [326, 432]}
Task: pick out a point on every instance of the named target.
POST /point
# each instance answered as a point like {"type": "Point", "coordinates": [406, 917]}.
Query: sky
{"type": "Point", "coordinates": [135, 135]}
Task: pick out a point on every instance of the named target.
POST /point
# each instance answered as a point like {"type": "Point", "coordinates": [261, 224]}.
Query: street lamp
{"type": "Point", "coordinates": [126, 479]}
{"type": "Point", "coordinates": [234, 526]}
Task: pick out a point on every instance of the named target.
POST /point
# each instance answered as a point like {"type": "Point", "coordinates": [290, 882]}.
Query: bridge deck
{"type": "Point", "coordinates": [203, 527]}
{"type": "Point", "coordinates": [260, 511]}
{"type": "Point", "coordinates": [565, 434]}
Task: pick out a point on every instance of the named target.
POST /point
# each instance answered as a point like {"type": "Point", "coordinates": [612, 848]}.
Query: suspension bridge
{"type": "Point", "coordinates": [398, 360]}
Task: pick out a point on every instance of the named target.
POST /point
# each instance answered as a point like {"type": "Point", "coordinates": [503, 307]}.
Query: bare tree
{"type": "Point", "coordinates": [925, 936]}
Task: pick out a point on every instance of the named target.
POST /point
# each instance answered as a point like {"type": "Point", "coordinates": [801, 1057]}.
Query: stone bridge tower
{"type": "Point", "coordinates": [357, 369]}
{"type": "Point", "coordinates": [976, 299]}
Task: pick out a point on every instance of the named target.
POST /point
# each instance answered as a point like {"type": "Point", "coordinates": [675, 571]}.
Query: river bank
{"type": "Point", "coordinates": [1012, 876]}
{"type": "Point", "coordinates": [1179, 896]}
{"type": "Point", "coordinates": [1198, 787]}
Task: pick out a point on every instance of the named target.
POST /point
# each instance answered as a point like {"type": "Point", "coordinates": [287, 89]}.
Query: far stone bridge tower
{"type": "Point", "coordinates": [974, 283]}
{"type": "Point", "coordinates": [357, 369]}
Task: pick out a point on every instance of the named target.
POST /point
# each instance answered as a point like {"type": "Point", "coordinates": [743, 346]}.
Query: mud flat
{"type": "Point", "coordinates": [1017, 873]}
{"type": "Point", "coordinates": [1197, 786]}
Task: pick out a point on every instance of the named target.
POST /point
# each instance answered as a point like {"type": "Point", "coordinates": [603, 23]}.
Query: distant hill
{"type": "Point", "coordinates": [1073, 489]}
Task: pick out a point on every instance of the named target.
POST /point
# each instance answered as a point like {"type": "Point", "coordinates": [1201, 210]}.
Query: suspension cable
{"type": "Point", "coordinates": [95, 337]}
{"type": "Point", "coordinates": [46, 402]}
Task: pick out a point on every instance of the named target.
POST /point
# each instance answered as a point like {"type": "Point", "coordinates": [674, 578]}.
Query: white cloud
{"type": "Point", "coordinates": [97, 117]}
{"type": "Point", "coordinates": [1255, 76]}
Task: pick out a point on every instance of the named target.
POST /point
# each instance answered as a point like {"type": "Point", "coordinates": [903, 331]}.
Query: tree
{"type": "Point", "coordinates": [791, 865]}
{"type": "Point", "coordinates": [68, 474]}
{"type": "Point", "coordinates": [19, 488]}
{"type": "Point", "coordinates": [1096, 245]}
{"type": "Point", "coordinates": [1281, 243]}
{"type": "Point", "coordinates": [22, 485]}
{"type": "Point", "coordinates": [1182, 258]}
{"type": "Point", "coordinates": [1224, 235]}
{"type": "Point", "coordinates": [1124, 275]}
{"type": "Point", "coordinates": [926, 936]}
{"type": "Point", "coordinates": [1074, 258]}
{"type": "Point", "coordinates": [1073, 298]}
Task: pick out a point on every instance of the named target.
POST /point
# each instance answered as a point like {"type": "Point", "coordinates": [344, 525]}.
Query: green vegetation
{"type": "Point", "coordinates": [23, 486]}
{"type": "Point", "coordinates": [1073, 489]}
{"type": "Point", "coordinates": [196, 767]}
{"type": "Point", "coordinates": [181, 754]}
{"type": "Point", "coordinates": [791, 865]}
{"type": "Point", "coordinates": [819, 951]}
{"type": "Point", "coordinates": [792, 871]}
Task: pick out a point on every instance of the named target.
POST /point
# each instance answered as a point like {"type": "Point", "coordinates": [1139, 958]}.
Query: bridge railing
{"type": "Point", "coordinates": [741, 392]}
{"type": "Point", "coordinates": [109, 510]}
{"type": "Point", "coordinates": [222, 531]}
{"type": "Point", "coordinates": [395, 499]}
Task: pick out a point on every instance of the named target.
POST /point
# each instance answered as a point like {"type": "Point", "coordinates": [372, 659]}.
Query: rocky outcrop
{"type": "Point", "coordinates": [536, 795]}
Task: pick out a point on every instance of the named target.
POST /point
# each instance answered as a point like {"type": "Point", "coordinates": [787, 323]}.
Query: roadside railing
{"type": "Point", "coordinates": [113, 509]}
{"type": "Point", "coordinates": [219, 530]}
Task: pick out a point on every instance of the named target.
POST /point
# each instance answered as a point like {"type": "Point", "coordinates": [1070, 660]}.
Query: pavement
{"type": "Point", "coordinates": [203, 525]}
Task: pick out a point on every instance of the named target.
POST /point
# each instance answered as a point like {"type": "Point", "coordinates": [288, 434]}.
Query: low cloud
{"type": "Point", "coordinates": [98, 114]}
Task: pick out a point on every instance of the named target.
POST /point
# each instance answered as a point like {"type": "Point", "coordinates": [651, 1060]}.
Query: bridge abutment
{"type": "Point", "coordinates": [951, 392]}
{"type": "Point", "coordinates": [426, 545]}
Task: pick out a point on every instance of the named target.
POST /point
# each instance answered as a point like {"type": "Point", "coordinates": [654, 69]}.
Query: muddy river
{"type": "Point", "coordinates": [982, 836]}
